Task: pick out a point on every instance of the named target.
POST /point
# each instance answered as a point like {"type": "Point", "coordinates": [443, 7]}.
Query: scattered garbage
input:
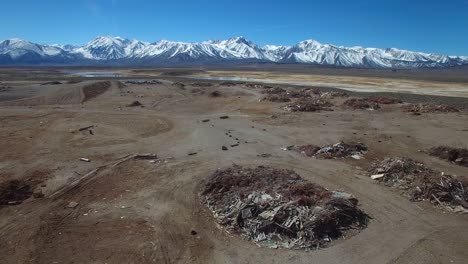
{"type": "Point", "coordinates": [205, 120]}
{"type": "Point", "coordinates": [224, 148]}
{"type": "Point", "coordinates": [277, 208]}
{"type": "Point", "coordinates": [224, 117]}
{"type": "Point", "coordinates": [135, 103]}
{"type": "Point", "coordinates": [430, 108]}
{"type": "Point", "coordinates": [420, 182]}
{"type": "Point", "coordinates": [14, 192]}
{"type": "Point", "coordinates": [338, 150]}
{"type": "Point", "coordinates": [361, 103]}
{"type": "Point", "coordinates": [85, 159]}
{"type": "Point", "coordinates": [192, 153]}
{"type": "Point", "coordinates": [458, 156]}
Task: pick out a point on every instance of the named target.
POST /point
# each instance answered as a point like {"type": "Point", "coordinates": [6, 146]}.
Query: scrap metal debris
{"type": "Point", "coordinates": [420, 182]}
{"type": "Point", "coordinates": [277, 208]}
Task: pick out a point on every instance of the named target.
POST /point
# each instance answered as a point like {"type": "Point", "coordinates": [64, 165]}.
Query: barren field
{"type": "Point", "coordinates": [116, 170]}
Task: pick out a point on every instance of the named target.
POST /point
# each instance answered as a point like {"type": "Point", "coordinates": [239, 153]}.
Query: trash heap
{"type": "Point", "coordinates": [361, 103]}
{"type": "Point", "coordinates": [338, 150]}
{"type": "Point", "coordinates": [422, 183]}
{"type": "Point", "coordinates": [430, 108]}
{"type": "Point", "coordinates": [458, 156]}
{"type": "Point", "coordinates": [276, 208]}
{"type": "Point", "coordinates": [309, 105]}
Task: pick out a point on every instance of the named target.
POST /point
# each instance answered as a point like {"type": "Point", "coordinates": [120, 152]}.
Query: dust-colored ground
{"type": "Point", "coordinates": [134, 211]}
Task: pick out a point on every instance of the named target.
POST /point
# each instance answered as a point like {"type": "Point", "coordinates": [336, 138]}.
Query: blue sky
{"type": "Point", "coordinates": [429, 26]}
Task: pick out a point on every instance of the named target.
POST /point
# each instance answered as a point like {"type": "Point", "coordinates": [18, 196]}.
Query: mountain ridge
{"type": "Point", "coordinates": [122, 51]}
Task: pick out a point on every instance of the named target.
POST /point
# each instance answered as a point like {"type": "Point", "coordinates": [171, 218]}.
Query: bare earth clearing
{"type": "Point", "coordinates": [111, 207]}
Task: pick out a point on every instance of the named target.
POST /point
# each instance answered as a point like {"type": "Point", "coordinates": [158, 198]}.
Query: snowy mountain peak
{"type": "Point", "coordinates": [109, 49]}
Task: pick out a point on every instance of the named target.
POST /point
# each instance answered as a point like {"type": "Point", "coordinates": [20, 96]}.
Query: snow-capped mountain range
{"type": "Point", "coordinates": [120, 51]}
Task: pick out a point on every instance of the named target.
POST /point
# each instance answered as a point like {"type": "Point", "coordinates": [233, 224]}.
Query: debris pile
{"type": "Point", "coordinates": [338, 150]}
{"type": "Point", "coordinates": [384, 100]}
{"type": "Point", "coordinates": [274, 90]}
{"type": "Point", "coordinates": [139, 82]}
{"type": "Point", "coordinates": [421, 183]}
{"type": "Point", "coordinates": [430, 108]}
{"type": "Point", "coordinates": [309, 105]}
{"type": "Point", "coordinates": [458, 156]}
{"type": "Point", "coordinates": [329, 95]}
{"type": "Point", "coordinates": [257, 86]}
{"type": "Point", "coordinates": [276, 208]}
{"type": "Point", "coordinates": [361, 103]}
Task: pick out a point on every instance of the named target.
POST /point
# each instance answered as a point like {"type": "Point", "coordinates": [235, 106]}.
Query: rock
{"type": "Point", "coordinates": [224, 148]}
{"type": "Point", "coordinates": [224, 117]}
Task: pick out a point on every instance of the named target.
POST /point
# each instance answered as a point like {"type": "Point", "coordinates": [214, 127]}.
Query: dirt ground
{"type": "Point", "coordinates": [135, 211]}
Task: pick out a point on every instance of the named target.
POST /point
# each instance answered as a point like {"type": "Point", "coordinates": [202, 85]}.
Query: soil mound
{"type": "Point", "coordinates": [277, 208]}
{"type": "Point", "coordinates": [92, 90]}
